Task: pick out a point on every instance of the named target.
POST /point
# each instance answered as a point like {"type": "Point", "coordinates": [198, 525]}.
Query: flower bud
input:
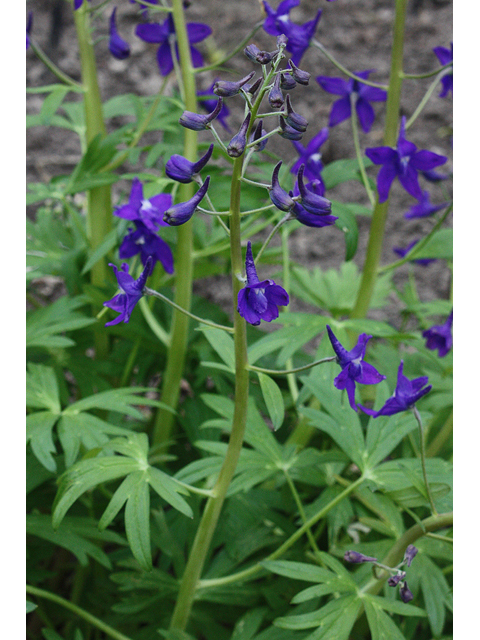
{"type": "Point", "coordinates": [254, 54]}
{"type": "Point", "coordinates": [294, 119]}
{"type": "Point", "coordinates": [288, 132]}
{"type": "Point", "coordinates": [117, 45]}
{"type": "Point", "coordinates": [275, 95]}
{"type": "Point", "coordinates": [287, 82]}
{"type": "Point", "coordinates": [182, 212]}
{"type": "Point", "coordinates": [257, 133]}
{"type": "Point", "coordinates": [302, 77]}
{"type": "Point", "coordinates": [227, 89]}
{"type": "Point", "coordinates": [182, 170]}
{"type": "Point", "coordinates": [410, 553]}
{"type": "Point", "coordinates": [310, 201]}
{"type": "Point", "coordinates": [356, 557]}
{"type": "Point", "coordinates": [252, 88]}
{"type": "Point", "coordinates": [282, 40]}
{"type": "Point", "coordinates": [405, 593]}
{"type": "Point", "coordinates": [394, 580]}
{"type": "Point", "coordinates": [198, 121]}
{"type": "Point", "coordinates": [237, 144]}
{"type": "Point", "coordinates": [280, 198]}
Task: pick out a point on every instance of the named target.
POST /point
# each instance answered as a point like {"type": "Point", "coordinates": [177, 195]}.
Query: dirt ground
{"type": "Point", "coordinates": [357, 33]}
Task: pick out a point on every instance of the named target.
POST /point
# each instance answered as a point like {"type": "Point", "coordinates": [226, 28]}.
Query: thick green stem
{"type": "Point", "coordinates": [214, 505]}
{"type": "Point", "coordinates": [184, 254]}
{"type": "Point", "coordinates": [96, 622]}
{"type": "Point", "coordinates": [99, 200]}
{"type": "Point", "coordinates": [377, 229]}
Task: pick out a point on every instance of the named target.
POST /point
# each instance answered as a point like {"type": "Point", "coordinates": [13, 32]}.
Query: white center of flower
{"type": "Point", "coordinates": [316, 157]}
{"type": "Point", "coordinates": [146, 205]}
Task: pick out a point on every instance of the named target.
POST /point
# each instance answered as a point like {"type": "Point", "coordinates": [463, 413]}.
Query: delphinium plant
{"type": "Point", "coordinates": [191, 475]}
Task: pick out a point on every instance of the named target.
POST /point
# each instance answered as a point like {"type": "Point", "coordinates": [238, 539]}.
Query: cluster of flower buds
{"type": "Point", "coordinates": [398, 576]}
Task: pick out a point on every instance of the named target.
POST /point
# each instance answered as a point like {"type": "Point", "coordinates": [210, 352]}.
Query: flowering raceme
{"type": "Point", "coordinates": [161, 34]}
{"type": "Point", "coordinates": [354, 369]}
{"type": "Point", "coordinates": [363, 94]}
{"type": "Point", "coordinates": [403, 162]}
{"type": "Point", "coordinates": [259, 300]}
{"type": "Point", "coordinates": [130, 292]}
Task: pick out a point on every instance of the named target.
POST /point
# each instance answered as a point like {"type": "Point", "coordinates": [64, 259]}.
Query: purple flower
{"type": "Point", "coordinates": [161, 33]}
{"type": "Point", "coordinates": [197, 121]}
{"type": "Point", "coordinates": [354, 369]}
{"type": "Point", "coordinates": [149, 212]}
{"type": "Point", "coordinates": [237, 144]}
{"type": "Point", "coordinates": [300, 76]}
{"type": "Point", "coordinates": [288, 132]}
{"type": "Point", "coordinates": [182, 212]}
{"type": "Point", "coordinates": [210, 104]}
{"type": "Point", "coordinates": [119, 48]}
{"type": "Point", "coordinates": [403, 162]}
{"type": "Point", "coordinates": [364, 94]}
{"type": "Point", "coordinates": [29, 26]}
{"type": "Point", "coordinates": [440, 337]}
{"type": "Point", "coordinates": [254, 54]}
{"type": "Point", "coordinates": [410, 553]}
{"type": "Point", "coordinates": [405, 593]}
{"type": "Point", "coordinates": [403, 252]}
{"type": "Point", "coordinates": [182, 170]}
{"type": "Point", "coordinates": [309, 219]}
{"type": "Point", "coordinates": [280, 198]}
{"type": "Point", "coordinates": [299, 36]}
{"type": "Point", "coordinates": [275, 95]}
{"type": "Point", "coordinates": [227, 89]}
{"type": "Point", "coordinates": [394, 580]}
{"type": "Point", "coordinates": [357, 558]}
{"type": "Point", "coordinates": [293, 118]}
{"type": "Point", "coordinates": [407, 393]}
{"type": "Point", "coordinates": [311, 157]}
{"type": "Point", "coordinates": [131, 292]}
{"type": "Point", "coordinates": [259, 300]}
{"type": "Point", "coordinates": [424, 207]}
{"type": "Point", "coordinates": [311, 201]}
{"type": "Point", "coordinates": [148, 245]}
{"type": "Point", "coordinates": [445, 56]}
{"type": "Point", "coordinates": [256, 134]}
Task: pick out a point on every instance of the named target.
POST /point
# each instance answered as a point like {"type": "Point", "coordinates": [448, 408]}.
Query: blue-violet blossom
{"type": "Point", "coordinates": [407, 393]}
{"type": "Point", "coordinates": [119, 48]}
{"type": "Point", "coordinates": [198, 121]}
{"type": "Point", "coordinates": [363, 93]}
{"type": "Point", "coordinates": [149, 212]}
{"type": "Point", "coordinates": [440, 337]}
{"type": "Point", "coordinates": [161, 34]}
{"type": "Point", "coordinates": [148, 245]}
{"type": "Point", "coordinates": [130, 292]}
{"type": "Point", "coordinates": [299, 36]}
{"type": "Point", "coordinates": [182, 212]}
{"type": "Point", "coordinates": [319, 218]}
{"type": "Point", "coordinates": [445, 56]}
{"type": "Point", "coordinates": [424, 207]}
{"type": "Point", "coordinates": [182, 170]}
{"type": "Point", "coordinates": [354, 369]}
{"type": "Point", "coordinates": [211, 102]}
{"type": "Point", "coordinates": [259, 300]}
{"type": "Point", "coordinates": [403, 162]}
{"type": "Point", "coordinates": [311, 157]}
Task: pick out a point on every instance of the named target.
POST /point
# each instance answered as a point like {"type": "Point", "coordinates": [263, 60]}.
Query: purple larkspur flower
{"type": "Point", "coordinates": [119, 48]}
{"type": "Point", "coordinates": [280, 198]}
{"type": "Point", "coordinates": [354, 369]}
{"type": "Point", "coordinates": [445, 56]}
{"type": "Point", "coordinates": [299, 36]}
{"type": "Point", "coordinates": [293, 118]}
{"type": "Point", "coordinates": [182, 212]}
{"type": "Point", "coordinates": [356, 557]}
{"type": "Point", "coordinates": [211, 102]}
{"type": "Point", "coordinates": [288, 132]}
{"type": "Point", "coordinates": [403, 163]}
{"type": "Point", "coordinates": [410, 553]}
{"type": "Point", "coordinates": [319, 218]}
{"type": "Point", "coordinates": [424, 207]}
{"type": "Point", "coordinates": [363, 93]}
{"type": "Point", "coordinates": [161, 33]}
{"type": "Point", "coordinates": [311, 157]}
{"type": "Point", "coordinates": [237, 144]}
{"type": "Point", "coordinates": [198, 121]}
{"type": "Point", "coordinates": [402, 252]}
{"type": "Point", "coordinates": [254, 54]}
{"type": "Point", "coordinates": [440, 337]}
{"type": "Point", "coordinates": [130, 292]}
{"type": "Point", "coordinates": [149, 245]}
{"type": "Point", "coordinates": [149, 212]}
{"type": "Point", "coordinates": [228, 89]}
{"type": "Point", "coordinates": [257, 133]}
{"type": "Point", "coordinates": [29, 26]}
{"type": "Point", "coordinates": [405, 593]}
{"type": "Point", "coordinates": [407, 393]}
{"type": "Point", "coordinates": [310, 200]}
{"type": "Point", "coordinates": [182, 170]}
{"type": "Point", "coordinates": [259, 300]}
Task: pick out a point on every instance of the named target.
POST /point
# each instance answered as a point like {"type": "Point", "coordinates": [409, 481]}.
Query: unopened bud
{"type": "Point", "coordinates": [302, 77]}
{"type": "Point", "coordinates": [228, 89]}
{"type": "Point", "coordinates": [237, 144]}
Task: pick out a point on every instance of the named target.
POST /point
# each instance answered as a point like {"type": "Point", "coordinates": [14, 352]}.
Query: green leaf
{"type": "Point", "coordinates": [137, 522]}
{"type": "Point", "coordinates": [436, 592]}
{"type": "Point", "coordinates": [347, 223]}
{"type": "Point", "coordinates": [440, 245]}
{"type": "Point", "coordinates": [395, 606]}
{"type": "Point", "coordinates": [168, 489]}
{"type": "Point", "coordinates": [39, 434]}
{"type": "Point", "coordinates": [222, 343]}
{"type": "Point", "coordinates": [342, 170]}
{"type": "Point", "coordinates": [248, 625]}
{"type": "Point", "coordinates": [44, 325]}
{"type": "Point", "coordinates": [42, 388]}
{"type": "Point", "coordinates": [120, 400]}
{"type": "Point", "coordinates": [381, 625]}
{"type": "Point", "coordinates": [109, 241]}
{"type": "Point", "coordinates": [308, 573]}
{"type": "Point", "coordinates": [31, 606]}
{"type": "Point", "coordinates": [52, 102]}
{"type": "Point", "coordinates": [118, 499]}
{"type": "Point", "coordinates": [273, 399]}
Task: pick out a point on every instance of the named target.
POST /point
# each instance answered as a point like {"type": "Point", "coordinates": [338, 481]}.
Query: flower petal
{"type": "Point", "coordinates": [341, 110]}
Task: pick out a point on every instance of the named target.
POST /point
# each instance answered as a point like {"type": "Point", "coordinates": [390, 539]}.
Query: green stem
{"type": "Point", "coordinates": [396, 553]}
{"type": "Point", "coordinates": [341, 68]}
{"type": "Point", "coordinates": [429, 74]}
{"type": "Point", "coordinates": [423, 102]}
{"type": "Point", "coordinates": [301, 510]}
{"type": "Point", "coordinates": [422, 458]}
{"type": "Point", "coordinates": [441, 438]}
{"type": "Point", "coordinates": [286, 372]}
{"type": "Point", "coordinates": [291, 380]}
{"type": "Point", "coordinates": [214, 505]}
{"type": "Point", "coordinates": [358, 151]}
{"type": "Point", "coordinates": [63, 77]}
{"type": "Point", "coordinates": [271, 234]}
{"type": "Point", "coordinates": [99, 200]}
{"type": "Point", "coordinates": [238, 48]}
{"type": "Point", "coordinates": [94, 621]}
{"type": "Point", "coordinates": [184, 255]}
{"type": "Point", "coordinates": [256, 568]}
{"type": "Point", "coordinates": [160, 296]}
{"type": "Point", "coordinates": [379, 217]}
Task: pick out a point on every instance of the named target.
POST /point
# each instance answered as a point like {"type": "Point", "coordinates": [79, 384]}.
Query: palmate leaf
{"type": "Point", "coordinates": [382, 627]}
{"type": "Point", "coordinates": [45, 326]}
{"type": "Point", "coordinates": [133, 491]}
